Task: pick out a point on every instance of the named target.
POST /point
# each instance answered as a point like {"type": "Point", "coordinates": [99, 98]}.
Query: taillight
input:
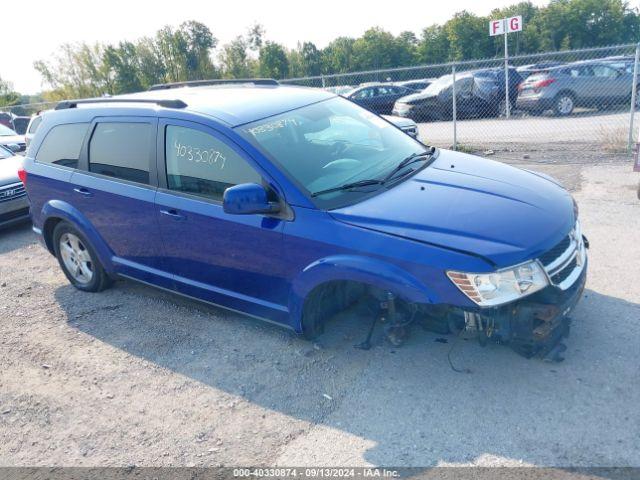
{"type": "Point", "coordinates": [543, 83]}
{"type": "Point", "coordinates": [22, 174]}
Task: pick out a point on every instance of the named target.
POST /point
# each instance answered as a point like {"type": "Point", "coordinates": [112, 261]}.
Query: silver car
{"type": "Point", "coordinates": [581, 84]}
{"type": "Point", "coordinates": [14, 204]}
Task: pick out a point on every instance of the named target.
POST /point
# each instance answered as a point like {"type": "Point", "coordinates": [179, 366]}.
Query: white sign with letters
{"type": "Point", "coordinates": [505, 25]}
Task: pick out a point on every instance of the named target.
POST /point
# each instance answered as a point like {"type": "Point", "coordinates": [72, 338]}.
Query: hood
{"type": "Point", "coordinates": [9, 139]}
{"type": "Point", "coordinates": [470, 204]}
{"type": "Point", "coordinates": [416, 97]}
{"type": "Point", "coordinates": [400, 122]}
{"type": "Point", "coordinates": [9, 170]}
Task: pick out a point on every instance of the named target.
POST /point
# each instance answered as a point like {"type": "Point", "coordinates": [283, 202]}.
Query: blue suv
{"type": "Point", "coordinates": [291, 204]}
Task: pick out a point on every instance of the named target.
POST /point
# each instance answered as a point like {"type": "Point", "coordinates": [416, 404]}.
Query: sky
{"type": "Point", "coordinates": [42, 26]}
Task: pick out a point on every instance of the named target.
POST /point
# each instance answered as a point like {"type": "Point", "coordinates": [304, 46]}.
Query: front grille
{"type": "Point", "coordinates": [565, 261]}
{"type": "Point", "coordinates": [563, 274]}
{"type": "Point", "coordinates": [11, 192]}
{"type": "Point", "coordinates": [548, 257]}
{"type": "Point", "coordinates": [5, 217]}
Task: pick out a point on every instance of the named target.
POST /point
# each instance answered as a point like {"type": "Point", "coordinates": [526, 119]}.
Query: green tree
{"type": "Point", "coordinates": [273, 61]}
{"type": "Point", "coordinates": [8, 96]}
{"type": "Point", "coordinates": [122, 62]}
{"type": "Point", "coordinates": [586, 23]}
{"type": "Point", "coordinates": [468, 37]}
{"type": "Point", "coordinates": [376, 49]}
{"type": "Point", "coordinates": [311, 59]}
{"type": "Point", "coordinates": [433, 46]}
{"type": "Point", "coordinates": [235, 60]}
{"type": "Point", "coordinates": [338, 56]}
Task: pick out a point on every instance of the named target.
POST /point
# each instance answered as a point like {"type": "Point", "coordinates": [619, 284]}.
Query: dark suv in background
{"type": "Point", "coordinates": [479, 93]}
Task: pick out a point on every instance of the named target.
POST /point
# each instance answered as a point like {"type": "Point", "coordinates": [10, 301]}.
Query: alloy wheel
{"type": "Point", "coordinates": [76, 258]}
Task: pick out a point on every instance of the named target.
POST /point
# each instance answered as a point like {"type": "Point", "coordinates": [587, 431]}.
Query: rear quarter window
{"type": "Point", "coordinates": [62, 145]}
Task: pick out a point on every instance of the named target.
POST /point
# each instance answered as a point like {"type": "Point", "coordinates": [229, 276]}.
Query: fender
{"type": "Point", "coordinates": [68, 213]}
{"type": "Point", "coordinates": [357, 268]}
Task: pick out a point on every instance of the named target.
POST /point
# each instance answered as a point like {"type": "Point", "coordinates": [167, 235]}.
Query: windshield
{"type": "Point", "coordinates": [330, 144]}
{"type": "Point", "coordinates": [6, 131]}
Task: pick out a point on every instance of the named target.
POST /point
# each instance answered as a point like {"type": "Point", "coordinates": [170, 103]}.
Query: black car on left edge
{"type": "Point", "coordinates": [14, 204]}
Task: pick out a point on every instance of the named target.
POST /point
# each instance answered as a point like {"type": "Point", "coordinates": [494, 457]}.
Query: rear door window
{"type": "Point", "coordinates": [203, 165]}
{"type": "Point", "coordinates": [121, 150]}
{"type": "Point", "coordinates": [62, 145]}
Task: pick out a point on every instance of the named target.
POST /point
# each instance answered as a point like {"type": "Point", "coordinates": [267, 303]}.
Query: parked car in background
{"type": "Point", "coordinates": [407, 125]}
{"type": "Point", "coordinates": [580, 84]}
{"type": "Point", "coordinates": [526, 70]}
{"type": "Point", "coordinates": [621, 62]}
{"type": "Point", "coordinates": [417, 85]}
{"type": "Point", "coordinates": [340, 90]}
{"type": "Point", "coordinates": [378, 97]}
{"type": "Point", "coordinates": [479, 93]}
{"type": "Point", "coordinates": [10, 139]}
{"type": "Point", "coordinates": [32, 127]}
{"type": "Point", "coordinates": [6, 119]}
{"type": "Point", "coordinates": [20, 124]}
{"type": "Point", "coordinates": [14, 204]}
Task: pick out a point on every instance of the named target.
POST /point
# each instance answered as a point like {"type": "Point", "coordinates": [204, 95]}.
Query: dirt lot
{"type": "Point", "coordinates": [134, 376]}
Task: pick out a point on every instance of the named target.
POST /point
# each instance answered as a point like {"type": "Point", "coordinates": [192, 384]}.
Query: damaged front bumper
{"type": "Point", "coordinates": [532, 326]}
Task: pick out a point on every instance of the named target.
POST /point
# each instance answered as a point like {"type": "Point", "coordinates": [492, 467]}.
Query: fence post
{"type": "Point", "coordinates": [634, 94]}
{"type": "Point", "coordinates": [454, 110]}
{"type": "Point", "coordinates": [322, 77]}
{"type": "Point", "coordinates": [507, 106]}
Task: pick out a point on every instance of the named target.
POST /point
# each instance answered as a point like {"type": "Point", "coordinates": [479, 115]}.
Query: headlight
{"type": "Point", "coordinates": [503, 286]}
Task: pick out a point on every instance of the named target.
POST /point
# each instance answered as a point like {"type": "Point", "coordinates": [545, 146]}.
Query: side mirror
{"type": "Point", "coordinates": [247, 198]}
{"type": "Point", "coordinates": [14, 147]}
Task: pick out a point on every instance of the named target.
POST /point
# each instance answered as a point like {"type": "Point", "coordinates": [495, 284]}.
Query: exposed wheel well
{"type": "Point", "coordinates": [328, 299]}
{"type": "Point", "coordinates": [47, 232]}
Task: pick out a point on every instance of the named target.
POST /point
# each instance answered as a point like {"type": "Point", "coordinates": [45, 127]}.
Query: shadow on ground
{"type": "Point", "coordinates": [403, 406]}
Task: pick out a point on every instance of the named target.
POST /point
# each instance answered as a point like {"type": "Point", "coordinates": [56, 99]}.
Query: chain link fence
{"type": "Point", "coordinates": [576, 105]}
{"type": "Point", "coordinates": [579, 104]}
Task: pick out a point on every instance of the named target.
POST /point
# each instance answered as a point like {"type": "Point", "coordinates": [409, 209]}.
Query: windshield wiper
{"type": "Point", "coordinates": [414, 157]}
{"type": "Point", "coordinates": [349, 186]}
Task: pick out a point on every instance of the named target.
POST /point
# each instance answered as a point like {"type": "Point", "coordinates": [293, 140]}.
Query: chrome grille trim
{"type": "Point", "coordinates": [17, 190]}
{"type": "Point", "coordinates": [573, 257]}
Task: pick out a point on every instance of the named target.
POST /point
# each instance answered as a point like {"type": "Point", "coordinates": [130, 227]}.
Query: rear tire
{"type": "Point", "coordinates": [78, 259]}
{"type": "Point", "coordinates": [564, 104]}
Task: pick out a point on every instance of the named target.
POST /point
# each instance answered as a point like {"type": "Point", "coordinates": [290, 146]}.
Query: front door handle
{"type": "Point", "coordinates": [83, 191]}
{"type": "Point", "coordinates": [173, 214]}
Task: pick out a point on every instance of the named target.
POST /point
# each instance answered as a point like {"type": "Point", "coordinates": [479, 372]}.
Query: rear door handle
{"type": "Point", "coordinates": [83, 191]}
{"type": "Point", "coordinates": [173, 214]}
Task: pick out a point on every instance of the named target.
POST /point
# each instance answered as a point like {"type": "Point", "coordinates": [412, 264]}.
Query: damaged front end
{"type": "Point", "coordinates": [533, 325]}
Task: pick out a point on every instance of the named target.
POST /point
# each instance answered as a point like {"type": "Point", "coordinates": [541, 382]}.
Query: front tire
{"type": "Point", "coordinates": [78, 259]}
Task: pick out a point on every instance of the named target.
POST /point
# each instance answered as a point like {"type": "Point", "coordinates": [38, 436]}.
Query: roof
{"type": "Point", "coordinates": [238, 104]}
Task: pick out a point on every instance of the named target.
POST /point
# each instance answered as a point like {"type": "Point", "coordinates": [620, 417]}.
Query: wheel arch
{"type": "Point", "coordinates": [354, 269]}
{"type": "Point", "coordinates": [56, 211]}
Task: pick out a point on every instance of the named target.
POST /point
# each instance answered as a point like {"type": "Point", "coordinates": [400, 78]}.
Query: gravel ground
{"type": "Point", "coordinates": [135, 376]}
